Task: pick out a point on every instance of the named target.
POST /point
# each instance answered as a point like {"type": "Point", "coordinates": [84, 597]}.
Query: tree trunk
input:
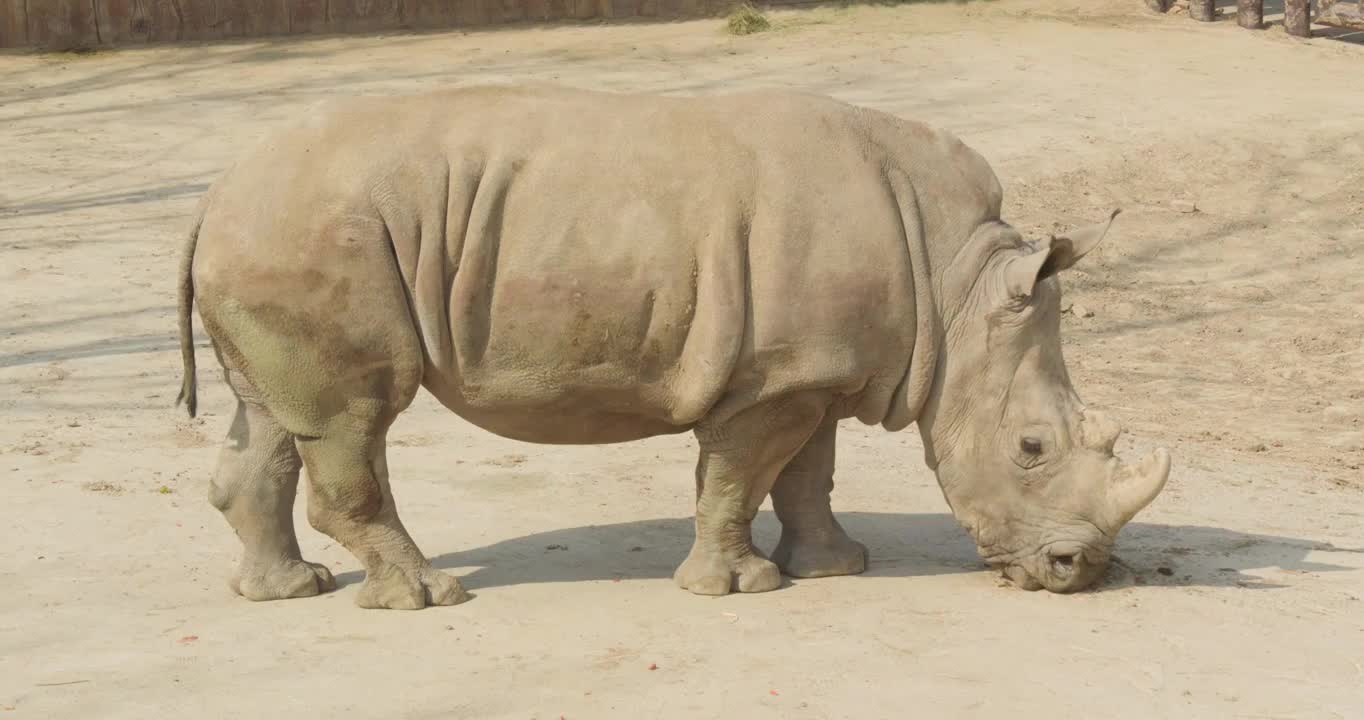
{"type": "Point", "coordinates": [1250, 13]}
{"type": "Point", "coordinates": [1204, 10]}
{"type": "Point", "coordinates": [1297, 17]}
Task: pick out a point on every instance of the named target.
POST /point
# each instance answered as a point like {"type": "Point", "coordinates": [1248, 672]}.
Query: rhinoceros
{"type": "Point", "coordinates": [566, 266]}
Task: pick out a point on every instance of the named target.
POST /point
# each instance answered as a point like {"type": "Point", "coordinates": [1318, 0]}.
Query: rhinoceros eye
{"type": "Point", "coordinates": [1031, 446]}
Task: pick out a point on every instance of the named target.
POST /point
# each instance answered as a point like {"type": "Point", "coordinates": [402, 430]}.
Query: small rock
{"type": "Point", "coordinates": [1347, 441]}
{"type": "Point", "coordinates": [1258, 447]}
{"type": "Point", "coordinates": [1081, 311]}
{"type": "Point", "coordinates": [1167, 572]}
{"type": "Point", "coordinates": [1336, 413]}
{"type": "Point", "coordinates": [1184, 206]}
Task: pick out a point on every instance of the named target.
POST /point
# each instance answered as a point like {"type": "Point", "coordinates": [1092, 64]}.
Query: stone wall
{"type": "Point", "coordinates": [80, 24]}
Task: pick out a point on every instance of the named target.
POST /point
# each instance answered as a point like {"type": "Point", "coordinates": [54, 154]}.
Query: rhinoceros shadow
{"type": "Point", "coordinates": [900, 545]}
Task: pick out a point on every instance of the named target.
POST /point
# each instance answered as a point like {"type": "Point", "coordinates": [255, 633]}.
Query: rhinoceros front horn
{"type": "Point", "coordinates": [1135, 486]}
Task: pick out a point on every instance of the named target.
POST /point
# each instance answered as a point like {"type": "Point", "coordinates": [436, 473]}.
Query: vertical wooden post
{"type": "Point", "coordinates": [1297, 17]}
{"type": "Point", "coordinates": [62, 24]}
{"type": "Point", "coordinates": [1202, 10]}
{"type": "Point", "coordinates": [1250, 13]}
{"type": "Point", "coordinates": [14, 23]}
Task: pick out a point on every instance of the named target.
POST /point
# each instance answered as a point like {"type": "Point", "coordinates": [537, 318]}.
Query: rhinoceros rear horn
{"type": "Point", "coordinates": [1134, 487]}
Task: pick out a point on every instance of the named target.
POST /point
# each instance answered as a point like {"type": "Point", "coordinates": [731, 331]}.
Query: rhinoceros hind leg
{"type": "Point", "coordinates": [740, 459]}
{"type": "Point", "coordinates": [350, 500]}
{"type": "Point", "coordinates": [813, 544]}
{"type": "Point", "coordinates": [254, 488]}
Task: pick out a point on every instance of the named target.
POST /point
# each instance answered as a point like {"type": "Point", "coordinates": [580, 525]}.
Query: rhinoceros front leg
{"type": "Point", "coordinates": [813, 544]}
{"type": "Point", "coordinates": [739, 460]}
{"type": "Point", "coordinates": [254, 487]}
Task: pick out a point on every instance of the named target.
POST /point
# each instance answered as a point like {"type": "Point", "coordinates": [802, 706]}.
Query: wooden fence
{"type": "Point", "coordinates": [78, 24]}
{"type": "Point", "coordinates": [1297, 14]}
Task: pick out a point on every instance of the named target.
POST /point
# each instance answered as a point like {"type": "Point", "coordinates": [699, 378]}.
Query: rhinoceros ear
{"type": "Point", "coordinates": [1067, 249]}
{"type": "Point", "coordinates": [1022, 272]}
{"type": "Point", "coordinates": [1057, 253]}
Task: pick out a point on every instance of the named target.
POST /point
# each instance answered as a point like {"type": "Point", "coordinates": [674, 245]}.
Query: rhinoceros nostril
{"type": "Point", "coordinates": [1062, 566]}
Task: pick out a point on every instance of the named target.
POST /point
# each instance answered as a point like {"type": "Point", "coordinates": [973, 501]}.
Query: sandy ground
{"type": "Point", "coordinates": [1231, 334]}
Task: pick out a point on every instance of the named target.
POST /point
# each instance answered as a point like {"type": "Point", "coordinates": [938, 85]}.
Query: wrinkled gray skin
{"type": "Point", "coordinates": [1027, 468]}
{"type": "Point", "coordinates": [750, 268]}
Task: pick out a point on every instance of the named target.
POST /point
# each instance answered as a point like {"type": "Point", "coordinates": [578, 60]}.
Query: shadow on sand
{"type": "Point", "coordinates": [901, 545]}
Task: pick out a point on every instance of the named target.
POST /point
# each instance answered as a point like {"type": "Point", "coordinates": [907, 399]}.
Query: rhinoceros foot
{"type": "Point", "coordinates": [717, 572]}
{"type": "Point", "coordinates": [397, 588]}
{"type": "Point", "coordinates": [288, 579]}
{"type": "Point", "coordinates": [812, 555]}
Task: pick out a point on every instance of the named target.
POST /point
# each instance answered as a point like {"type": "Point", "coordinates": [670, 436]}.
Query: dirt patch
{"type": "Point", "coordinates": [1222, 317]}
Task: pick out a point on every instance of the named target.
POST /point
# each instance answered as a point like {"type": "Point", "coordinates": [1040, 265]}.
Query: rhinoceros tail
{"type": "Point", "coordinates": [189, 390]}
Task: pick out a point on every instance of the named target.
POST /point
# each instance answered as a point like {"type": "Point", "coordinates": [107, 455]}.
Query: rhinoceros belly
{"type": "Point", "coordinates": [583, 292]}
{"type": "Point", "coordinates": [601, 320]}
{"type": "Point", "coordinates": [560, 358]}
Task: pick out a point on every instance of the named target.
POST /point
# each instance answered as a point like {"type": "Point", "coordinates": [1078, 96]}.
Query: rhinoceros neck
{"type": "Point", "coordinates": [954, 284]}
{"type": "Point", "coordinates": [912, 393]}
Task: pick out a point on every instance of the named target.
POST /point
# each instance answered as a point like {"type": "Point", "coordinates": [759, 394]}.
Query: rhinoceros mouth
{"type": "Point", "coordinates": [1070, 566]}
{"type": "Point", "coordinates": [1061, 567]}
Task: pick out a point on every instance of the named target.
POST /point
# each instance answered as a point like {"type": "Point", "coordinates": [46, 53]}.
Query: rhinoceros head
{"type": "Point", "coordinates": [1028, 470]}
